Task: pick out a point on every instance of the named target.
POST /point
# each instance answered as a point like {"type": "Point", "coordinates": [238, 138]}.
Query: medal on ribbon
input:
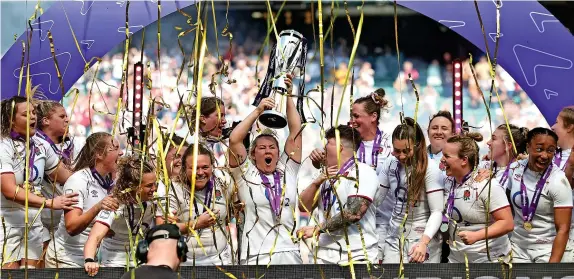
{"type": "Point", "coordinates": [377, 148]}
{"type": "Point", "coordinates": [528, 209]}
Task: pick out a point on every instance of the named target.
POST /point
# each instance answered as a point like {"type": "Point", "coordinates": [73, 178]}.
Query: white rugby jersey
{"type": "Point", "coordinates": [419, 215]}
{"type": "Point", "coordinates": [12, 160]}
{"type": "Point", "coordinates": [435, 157]}
{"type": "Point", "coordinates": [90, 192]}
{"type": "Point", "coordinates": [345, 188]}
{"type": "Point", "coordinates": [47, 184]}
{"type": "Point", "coordinates": [259, 235]}
{"type": "Point", "coordinates": [128, 218]}
{"type": "Point", "coordinates": [503, 181]}
{"type": "Point", "coordinates": [469, 211]}
{"type": "Point", "coordinates": [555, 194]}
{"type": "Point", "coordinates": [384, 206]}
{"type": "Point", "coordinates": [213, 242]}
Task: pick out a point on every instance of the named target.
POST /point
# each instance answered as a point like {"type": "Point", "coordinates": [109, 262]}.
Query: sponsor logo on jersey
{"type": "Point", "coordinates": [94, 193]}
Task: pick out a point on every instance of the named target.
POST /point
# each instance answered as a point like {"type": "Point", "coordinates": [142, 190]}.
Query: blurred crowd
{"type": "Point", "coordinates": [235, 77]}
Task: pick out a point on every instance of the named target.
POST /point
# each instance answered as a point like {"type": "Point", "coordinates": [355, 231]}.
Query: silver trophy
{"type": "Point", "coordinates": [288, 56]}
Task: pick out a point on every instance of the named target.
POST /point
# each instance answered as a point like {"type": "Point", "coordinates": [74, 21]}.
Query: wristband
{"type": "Point", "coordinates": [89, 260]}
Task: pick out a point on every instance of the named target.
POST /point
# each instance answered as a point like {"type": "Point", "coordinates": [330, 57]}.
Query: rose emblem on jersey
{"type": "Point", "coordinates": [466, 195]}
{"type": "Point", "coordinates": [441, 166]}
{"type": "Point", "coordinates": [218, 195]}
{"type": "Point", "coordinates": [380, 150]}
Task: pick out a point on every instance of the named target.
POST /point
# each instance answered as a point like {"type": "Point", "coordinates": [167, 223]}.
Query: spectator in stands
{"type": "Point", "coordinates": [112, 231]}
{"type": "Point", "coordinates": [92, 181]}
{"type": "Point", "coordinates": [345, 203]}
{"type": "Point", "coordinates": [211, 199]}
{"type": "Point", "coordinates": [162, 252]}
{"type": "Point", "coordinates": [420, 195]}
{"type": "Point", "coordinates": [267, 185]}
{"type": "Point", "coordinates": [468, 203]}
{"type": "Point", "coordinates": [18, 120]}
{"type": "Point", "coordinates": [542, 200]}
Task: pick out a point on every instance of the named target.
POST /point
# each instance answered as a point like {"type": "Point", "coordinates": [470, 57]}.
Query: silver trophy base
{"type": "Point", "coordinates": [273, 119]}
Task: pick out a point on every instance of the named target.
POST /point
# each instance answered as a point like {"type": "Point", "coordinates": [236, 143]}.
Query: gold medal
{"type": "Point", "coordinates": [527, 226]}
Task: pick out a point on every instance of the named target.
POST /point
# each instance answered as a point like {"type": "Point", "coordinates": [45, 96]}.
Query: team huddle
{"type": "Point", "coordinates": [376, 197]}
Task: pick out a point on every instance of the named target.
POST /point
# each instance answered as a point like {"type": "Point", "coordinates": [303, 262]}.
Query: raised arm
{"type": "Point", "coordinates": [294, 143]}
{"type": "Point", "coordinates": [237, 151]}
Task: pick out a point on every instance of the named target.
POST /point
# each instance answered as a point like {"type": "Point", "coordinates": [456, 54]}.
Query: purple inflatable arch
{"type": "Point", "coordinates": [534, 47]}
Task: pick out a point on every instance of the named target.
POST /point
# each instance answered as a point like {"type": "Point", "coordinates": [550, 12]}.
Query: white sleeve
{"type": "Point", "coordinates": [435, 198]}
{"type": "Point", "coordinates": [6, 162]}
{"type": "Point", "coordinates": [560, 190]}
{"type": "Point", "coordinates": [77, 184]}
{"type": "Point", "coordinates": [106, 217]}
{"type": "Point", "coordinates": [383, 178]}
{"type": "Point", "coordinates": [367, 184]}
{"type": "Point", "coordinates": [498, 199]}
{"type": "Point", "coordinates": [52, 159]}
{"type": "Point", "coordinates": [291, 166]}
{"type": "Point", "coordinates": [436, 204]}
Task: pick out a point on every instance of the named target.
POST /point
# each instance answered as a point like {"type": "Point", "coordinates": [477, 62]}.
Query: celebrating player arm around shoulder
{"type": "Point", "coordinates": [468, 202]}
{"type": "Point", "coordinates": [18, 128]}
{"type": "Point", "coordinates": [267, 186]}
{"type": "Point", "coordinates": [415, 182]}
{"type": "Point", "coordinates": [134, 189]}
{"type": "Point", "coordinates": [542, 201]}
{"type": "Point", "coordinates": [345, 203]}
{"type": "Point", "coordinates": [92, 181]}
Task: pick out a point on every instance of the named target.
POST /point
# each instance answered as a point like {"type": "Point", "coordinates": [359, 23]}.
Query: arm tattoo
{"type": "Point", "coordinates": [353, 212]}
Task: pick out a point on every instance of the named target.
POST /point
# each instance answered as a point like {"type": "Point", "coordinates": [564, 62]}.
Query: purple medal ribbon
{"type": "Point", "coordinates": [66, 154]}
{"type": "Point", "coordinates": [32, 147]}
{"type": "Point", "coordinates": [504, 177]}
{"type": "Point", "coordinates": [529, 210]}
{"type": "Point", "coordinates": [207, 199]}
{"type": "Point", "coordinates": [273, 193]}
{"type": "Point", "coordinates": [450, 200]}
{"type": "Point", "coordinates": [106, 182]}
{"type": "Point", "coordinates": [375, 151]}
{"type": "Point", "coordinates": [328, 189]}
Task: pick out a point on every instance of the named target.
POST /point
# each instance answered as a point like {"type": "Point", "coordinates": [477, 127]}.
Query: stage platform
{"type": "Point", "coordinates": [411, 271]}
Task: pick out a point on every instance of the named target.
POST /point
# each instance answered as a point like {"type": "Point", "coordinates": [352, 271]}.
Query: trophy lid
{"type": "Point", "coordinates": [292, 33]}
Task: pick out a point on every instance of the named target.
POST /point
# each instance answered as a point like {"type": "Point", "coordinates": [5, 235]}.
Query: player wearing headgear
{"type": "Point", "coordinates": [112, 231]}
{"type": "Point", "coordinates": [468, 202]}
{"type": "Point", "coordinates": [346, 193]}
{"type": "Point", "coordinates": [267, 186]}
{"type": "Point", "coordinates": [542, 200]}
{"type": "Point", "coordinates": [92, 181]}
{"type": "Point", "coordinates": [416, 183]}
{"type": "Point", "coordinates": [209, 216]}
{"type": "Point", "coordinates": [15, 126]}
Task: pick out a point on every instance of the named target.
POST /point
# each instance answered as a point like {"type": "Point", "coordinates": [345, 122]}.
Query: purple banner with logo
{"type": "Point", "coordinates": [535, 48]}
{"type": "Point", "coordinates": [98, 26]}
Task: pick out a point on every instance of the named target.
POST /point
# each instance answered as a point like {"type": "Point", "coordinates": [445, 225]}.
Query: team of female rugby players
{"type": "Point", "coordinates": [88, 201]}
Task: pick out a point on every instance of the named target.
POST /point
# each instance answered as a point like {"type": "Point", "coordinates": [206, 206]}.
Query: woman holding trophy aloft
{"type": "Point", "coordinates": [267, 186]}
